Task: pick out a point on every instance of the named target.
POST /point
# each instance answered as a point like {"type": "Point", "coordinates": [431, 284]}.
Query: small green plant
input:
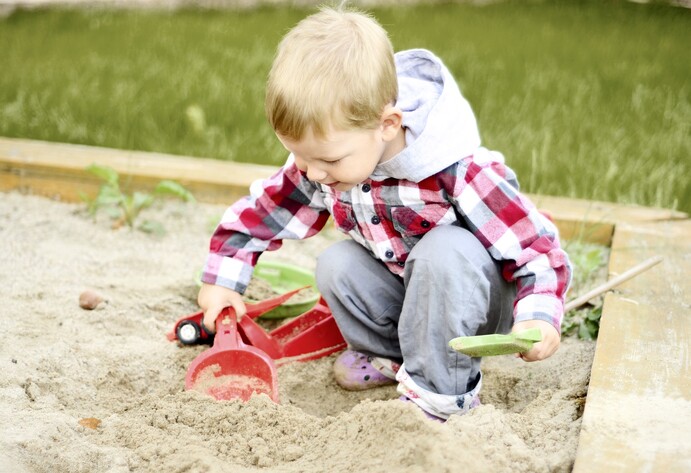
{"type": "Point", "coordinates": [589, 265]}
{"type": "Point", "coordinates": [588, 262]}
{"type": "Point", "coordinates": [125, 208]}
{"type": "Point", "coordinates": [583, 323]}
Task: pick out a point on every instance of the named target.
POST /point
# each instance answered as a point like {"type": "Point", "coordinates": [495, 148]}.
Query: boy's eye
{"type": "Point", "coordinates": [333, 161]}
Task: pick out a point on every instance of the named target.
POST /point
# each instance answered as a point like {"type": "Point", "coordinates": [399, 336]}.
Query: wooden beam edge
{"type": "Point", "coordinates": [637, 415]}
{"type": "Point", "coordinates": [58, 171]}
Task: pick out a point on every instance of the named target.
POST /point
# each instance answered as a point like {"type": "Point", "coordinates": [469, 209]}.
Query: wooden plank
{"type": "Point", "coordinates": [637, 416]}
{"type": "Point", "coordinates": [594, 221]}
{"type": "Point", "coordinates": [57, 170]}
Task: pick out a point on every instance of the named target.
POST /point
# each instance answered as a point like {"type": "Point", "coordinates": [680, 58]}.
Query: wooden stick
{"type": "Point", "coordinates": [625, 276]}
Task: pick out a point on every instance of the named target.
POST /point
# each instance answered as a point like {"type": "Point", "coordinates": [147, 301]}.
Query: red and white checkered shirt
{"type": "Point", "coordinates": [389, 216]}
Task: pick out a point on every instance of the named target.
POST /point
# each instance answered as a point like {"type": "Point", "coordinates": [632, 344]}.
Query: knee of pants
{"type": "Point", "coordinates": [443, 246]}
{"type": "Point", "coordinates": [332, 262]}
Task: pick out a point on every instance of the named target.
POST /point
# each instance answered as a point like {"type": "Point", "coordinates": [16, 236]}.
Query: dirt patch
{"type": "Point", "coordinates": [62, 364]}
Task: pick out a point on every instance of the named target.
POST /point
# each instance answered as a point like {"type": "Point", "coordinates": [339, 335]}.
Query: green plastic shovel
{"type": "Point", "coordinates": [497, 344]}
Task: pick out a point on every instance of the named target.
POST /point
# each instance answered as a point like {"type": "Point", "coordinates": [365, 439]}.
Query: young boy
{"type": "Point", "coordinates": [442, 242]}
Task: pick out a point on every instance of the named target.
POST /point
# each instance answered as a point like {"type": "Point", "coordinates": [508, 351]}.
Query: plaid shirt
{"type": "Point", "coordinates": [389, 216]}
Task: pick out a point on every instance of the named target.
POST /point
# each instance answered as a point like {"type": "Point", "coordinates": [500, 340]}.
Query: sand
{"type": "Point", "coordinates": [64, 369]}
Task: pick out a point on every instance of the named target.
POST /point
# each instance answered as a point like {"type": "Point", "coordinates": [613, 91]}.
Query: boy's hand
{"type": "Point", "coordinates": [543, 349]}
{"type": "Point", "coordinates": [213, 299]}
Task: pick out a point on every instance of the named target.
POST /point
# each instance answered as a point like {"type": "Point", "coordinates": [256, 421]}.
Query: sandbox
{"type": "Point", "coordinates": [102, 390]}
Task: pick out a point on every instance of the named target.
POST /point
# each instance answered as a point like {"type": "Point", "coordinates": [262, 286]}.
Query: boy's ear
{"type": "Point", "coordinates": [391, 122]}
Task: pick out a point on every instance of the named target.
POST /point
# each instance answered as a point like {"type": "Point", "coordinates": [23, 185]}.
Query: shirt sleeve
{"type": "Point", "coordinates": [515, 233]}
{"type": "Point", "coordinates": [286, 205]}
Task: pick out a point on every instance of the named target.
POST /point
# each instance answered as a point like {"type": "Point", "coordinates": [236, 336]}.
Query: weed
{"type": "Point", "coordinates": [125, 208]}
{"type": "Point", "coordinates": [584, 323]}
{"type": "Point", "coordinates": [589, 270]}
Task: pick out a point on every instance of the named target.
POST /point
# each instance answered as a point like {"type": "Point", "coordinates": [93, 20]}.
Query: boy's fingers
{"type": "Point", "coordinates": [240, 309]}
{"type": "Point", "coordinates": [209, 319]}
{"type": "Point", "coordinates": [534, 354]}
{"type": "Point", "coordinates": [539, 352]}
{"type": "Point", "coordinates": [544, 348]}
{"type": "Point", "coordinates": [528, 356]}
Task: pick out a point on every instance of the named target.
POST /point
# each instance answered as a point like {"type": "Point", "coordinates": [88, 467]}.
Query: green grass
{"type": "Point", "coordinates": [586, 99]}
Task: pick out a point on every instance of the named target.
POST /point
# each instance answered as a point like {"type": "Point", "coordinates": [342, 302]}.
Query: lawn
{"type": "Point", "coordinates": [585, 99]}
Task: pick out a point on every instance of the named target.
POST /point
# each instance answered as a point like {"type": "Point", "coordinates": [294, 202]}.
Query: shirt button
{"type": "Point", "coordinates": [401, 264]}
{"type": "Point", "coordinates": [366, 188]}
{"type": "Point", "coordinates": [375, 220]}
{"type": "Point", "coordinates": [424, 224]}
{"type": "Point", "coordinates": [389, 254]}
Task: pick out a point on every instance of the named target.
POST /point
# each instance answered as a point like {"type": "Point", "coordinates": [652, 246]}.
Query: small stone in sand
{"type": "Point", "coordinates": [90, 422]}
{"type": "Point", "coordinates": [89, 299]}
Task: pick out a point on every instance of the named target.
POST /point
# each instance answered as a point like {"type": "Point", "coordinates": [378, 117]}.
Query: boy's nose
{"type": "Point", "coordinates": [315, 174]}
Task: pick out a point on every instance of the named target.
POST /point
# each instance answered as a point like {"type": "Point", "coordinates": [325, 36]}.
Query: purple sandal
{"type": "Point", "coordinates": [354, 371]}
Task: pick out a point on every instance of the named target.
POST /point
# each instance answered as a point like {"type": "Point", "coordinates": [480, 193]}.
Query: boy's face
{"type": "Point", "coordinates": [341, 160]}
{"type": "Point", "coordinates": [345, 158]}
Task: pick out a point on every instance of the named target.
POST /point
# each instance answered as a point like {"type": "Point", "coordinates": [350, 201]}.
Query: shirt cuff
{"type": "Point", "coordinates": [540, 307]}
{"type": "Point", "coordinates": [228, 272]}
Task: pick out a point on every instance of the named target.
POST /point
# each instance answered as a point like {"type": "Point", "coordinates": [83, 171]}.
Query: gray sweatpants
{"type": "Point", "coordinates": [451, 287]}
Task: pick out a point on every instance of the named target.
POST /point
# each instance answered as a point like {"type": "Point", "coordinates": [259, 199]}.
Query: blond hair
{"type": "Point", "coordinates": [334, 69]}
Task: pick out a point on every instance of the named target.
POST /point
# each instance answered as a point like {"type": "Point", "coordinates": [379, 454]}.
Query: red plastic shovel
{"type": "Point", "coordinates": [230, 369]}
{"type": "Point", "coordinates": [309, 336]}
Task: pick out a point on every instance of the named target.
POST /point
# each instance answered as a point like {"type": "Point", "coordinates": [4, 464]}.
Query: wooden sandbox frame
{"type": "Point", "coordinates": [642, 360]}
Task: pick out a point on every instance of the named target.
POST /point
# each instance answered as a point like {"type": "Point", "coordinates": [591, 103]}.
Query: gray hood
{"type": "Point", "coordinates": [440, 125]}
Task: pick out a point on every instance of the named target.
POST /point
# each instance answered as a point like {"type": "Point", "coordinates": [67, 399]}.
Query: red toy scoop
{"type": "Point", "coordinates": [230, 369]}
